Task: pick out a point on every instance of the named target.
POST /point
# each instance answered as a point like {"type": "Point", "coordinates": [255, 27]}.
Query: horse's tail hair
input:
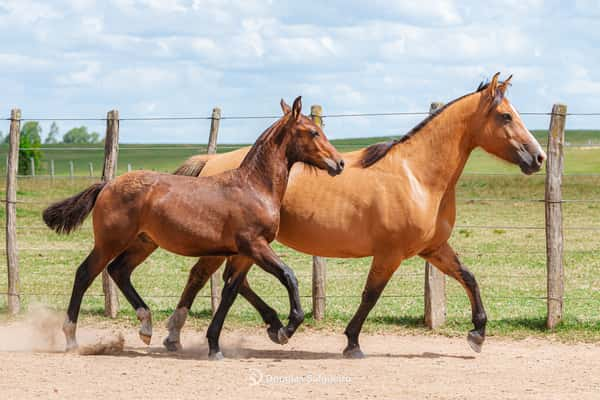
{"type": "Point", "coordinates": [193, 165]}
{"type": "Point", "coordinates": [67, 215]}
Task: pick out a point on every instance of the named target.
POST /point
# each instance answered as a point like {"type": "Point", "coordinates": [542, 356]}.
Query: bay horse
{"type": "Point", "coordinates": [236, 212]}
{"type": "Point", "coordinates": [395, 200]}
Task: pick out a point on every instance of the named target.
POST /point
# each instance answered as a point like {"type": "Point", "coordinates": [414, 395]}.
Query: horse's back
{"type": "Point", "coordinates": [224, 162]}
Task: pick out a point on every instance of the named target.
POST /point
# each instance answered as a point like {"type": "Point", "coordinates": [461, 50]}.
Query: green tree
{"type": "Point", "coordinates": [52, 137]}
{"type": "Point", "coordinates": [29, 145]}
{"type": "Point", "coordinates": [81, 136]}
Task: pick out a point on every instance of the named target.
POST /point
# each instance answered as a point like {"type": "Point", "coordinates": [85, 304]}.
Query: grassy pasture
{"type": "Point", "coordinates": [509, 263]}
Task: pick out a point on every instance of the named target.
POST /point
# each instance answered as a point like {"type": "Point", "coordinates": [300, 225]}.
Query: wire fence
{"type": "Point", "coordinates": [515, 272]}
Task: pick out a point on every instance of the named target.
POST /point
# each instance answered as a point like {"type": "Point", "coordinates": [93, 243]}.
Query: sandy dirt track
{"type": "Point", "coordinates": [309, 367]}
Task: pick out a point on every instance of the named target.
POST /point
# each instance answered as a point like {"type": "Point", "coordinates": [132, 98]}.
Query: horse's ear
{"type": "Point", "coordinates": [493, 85]}
{"type": "Point", "coordinates": [297, 108]}
{"type": "Point", "coordinates": [504, 86]}
{"type": "Point", "coordinates": [285, 107]}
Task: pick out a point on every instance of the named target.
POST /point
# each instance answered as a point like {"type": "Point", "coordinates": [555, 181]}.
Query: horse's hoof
{"type": "Point", "coordinates": [282, 337]}
{"type": "Point", "coordinates": [277, 335]}
{"type": "Point", "coordinates": [171, 346]}
{"type": "Point", "coordinates": [71, 348]}
{"type": "Point", "coordinates": [145, 338]}
{"type": "Point", "coordinates": [218, 356]}
{"type": "Point", "coordinates": [475, 340]}
{"type": "Point", "coordinates": [273, 335]}
{"type": "Point", "coordinates": [354, 353]}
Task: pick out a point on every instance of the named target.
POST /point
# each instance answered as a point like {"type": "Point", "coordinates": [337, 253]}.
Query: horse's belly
{"type": "Point", "coordinates": [334, 238]}
{"type": "Point", "coordinates": [178, 240]}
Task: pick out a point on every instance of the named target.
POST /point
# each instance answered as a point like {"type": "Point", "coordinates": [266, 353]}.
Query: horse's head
{"type": "Point", "coordinates": [308, 142]}
{"type": "Point", "coordinates": [503, 132]}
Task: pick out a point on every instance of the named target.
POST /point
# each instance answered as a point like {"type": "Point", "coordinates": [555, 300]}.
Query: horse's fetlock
{"type": "Point", "coordinates": [297, 316]}
{"type": "Point", "coordinates": [480, 320]}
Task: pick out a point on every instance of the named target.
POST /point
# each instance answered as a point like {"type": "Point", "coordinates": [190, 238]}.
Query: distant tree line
{"type": "Point", "coordinates": [31, 140]}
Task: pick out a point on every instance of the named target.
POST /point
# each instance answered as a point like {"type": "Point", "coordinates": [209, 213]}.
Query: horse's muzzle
{"type": "Point", "coordinates": [531, 158]}
{"type": "Point", "coordinates": [334, 167]}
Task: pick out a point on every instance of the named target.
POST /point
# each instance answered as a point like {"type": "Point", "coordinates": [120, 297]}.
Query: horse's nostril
{"type": "Point", "coordinates": [540, 158]}
{"type": "Point", "coordinates": [341, 164]}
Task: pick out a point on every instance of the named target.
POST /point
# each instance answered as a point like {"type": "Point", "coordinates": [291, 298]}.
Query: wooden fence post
{"type": "Point", "coordinates": [32, 162]}
{"type": "Point", "coordinates": [215, 296]}
{"type": "Point", "coordinates": [128, 167]}
{"type": "Point", "coordinates": [435, 282]}
{"type": "Point", "coordinates": [12, 260]}
{"type": "Point", "coordinates": [319, 296]}
{"type": "Point", "coordinates": [52, 170]}
{"type": "Point", "coordinates": [111, 153]}
{"type": "Point", "coordinates": [554, 221]}
{"type": "Point", "coordinates": [91, 169]}
{"type": "Point", "coordinates": [71, 170]}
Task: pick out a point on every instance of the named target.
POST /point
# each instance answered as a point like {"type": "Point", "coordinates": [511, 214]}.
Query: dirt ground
{"type": "Point", "coordinates": [32, 365]}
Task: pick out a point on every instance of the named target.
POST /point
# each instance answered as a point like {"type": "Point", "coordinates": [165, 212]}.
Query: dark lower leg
{"type": "Point", "coordinates": [478, 315]}
{"type": "Point", "coordinates": [264, 256]}
{"type": "Point", "coordinates": [85, 275]}
{"type": "Point", "coordinates": [268, 314]}
{"type": "Point", "coordinates": [446, 260]}
{"type": "Point", "coordinates": [369, 298]}
{"type": "Point", "coordinates": [229, 293]}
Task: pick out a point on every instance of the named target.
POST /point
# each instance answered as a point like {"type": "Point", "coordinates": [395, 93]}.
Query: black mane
{"type": "Point", "coordinates": [377, 151]}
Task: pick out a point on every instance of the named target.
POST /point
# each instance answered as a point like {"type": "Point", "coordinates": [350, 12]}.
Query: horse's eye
{"type": "Point", "coordinates": [314, 133]}
{"type": "Point", "coordinates": [507, 117]}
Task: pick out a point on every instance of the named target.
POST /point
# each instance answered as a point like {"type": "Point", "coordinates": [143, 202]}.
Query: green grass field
{"type": "Point", "coordinates": [509, 263]}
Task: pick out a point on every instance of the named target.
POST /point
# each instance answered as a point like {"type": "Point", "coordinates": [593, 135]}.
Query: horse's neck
{"type": "Point", "coordinates": [437, 154]}
{"type": "Point", "coordinates": [266, 167]}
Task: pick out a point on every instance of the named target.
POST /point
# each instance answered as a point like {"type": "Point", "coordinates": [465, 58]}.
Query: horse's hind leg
{"type": "Point", "coordinates": [380, 273]}
{"type": "Point", "coordinates": [197, 278]}
{"type": "Point", "coordinates": [120, 270]}
{"type": "Point", "coordinates": [235, 273]}
{"type": "Point", "coordinates": [85, 275]}
{"type": "Point", "coordinates": [445, 259]}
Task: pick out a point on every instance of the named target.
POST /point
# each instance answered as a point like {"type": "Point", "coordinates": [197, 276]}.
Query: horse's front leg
{"type": "Point", "coordinates": [446, 260]}
{"type": "Point", "coordinates": [268, 314]}
{"type": "Point", "coordinates": [235, 273]}
{"type": "Point", "coordinates": [382, 269]}
{"type": "Point", "coordinates": [265, 257]}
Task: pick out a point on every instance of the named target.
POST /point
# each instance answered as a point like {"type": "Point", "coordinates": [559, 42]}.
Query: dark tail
{"type": "Point", "coordinates": [193, 165]}
{"type": "Point", "coordinates": [67, 215]}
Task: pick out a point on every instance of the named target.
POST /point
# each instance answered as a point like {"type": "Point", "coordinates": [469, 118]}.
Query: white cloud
{"type": "Point", "coordinates": [161, 57]}
{"type": "Point", "coordinates": [583, 87]}
{"type": "Point", "coordinates": [27, 11]}
{"type": "Point", "coordinates": [86, 74]}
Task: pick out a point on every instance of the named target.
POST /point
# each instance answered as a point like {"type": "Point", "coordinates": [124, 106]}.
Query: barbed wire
{"type": "Point", "coordinates": [273, 116]}
{"type": "Point", "coordinates": [307, 296]}
{"type": "Point", "coordinates": [459, 199]}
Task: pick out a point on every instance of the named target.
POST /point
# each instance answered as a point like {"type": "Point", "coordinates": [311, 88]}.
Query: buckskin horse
{"type": "Point", "coordinates": [395, 200]}
{"type": "Point", "coordinates": [233, 213]}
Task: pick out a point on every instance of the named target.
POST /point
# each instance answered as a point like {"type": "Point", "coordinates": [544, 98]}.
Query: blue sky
{"type": "Point", "coordinates": [80, 58]}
